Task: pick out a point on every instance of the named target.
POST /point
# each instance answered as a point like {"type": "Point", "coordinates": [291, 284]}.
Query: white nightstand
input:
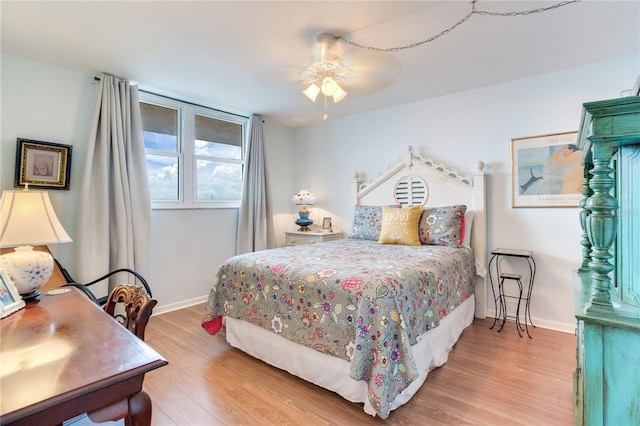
{"type": "Point", "coordinates": [298, 238]}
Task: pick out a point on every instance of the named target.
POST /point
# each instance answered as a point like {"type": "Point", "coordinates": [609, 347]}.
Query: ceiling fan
{"type": "Point", "coordinates": [327, 75]}
{"type": "Point", "coordinates": [362, 71]}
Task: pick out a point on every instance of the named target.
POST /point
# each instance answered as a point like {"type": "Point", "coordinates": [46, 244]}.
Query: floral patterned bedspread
{"type": "Point", "coordinates": [355, 299]}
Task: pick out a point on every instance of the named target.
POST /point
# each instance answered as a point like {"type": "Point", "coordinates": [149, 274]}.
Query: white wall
{"type": "Point", "coordinates": [48, 103]}
{"type": "Point", "coordinates": [51, 104]}
{"type": "Point", "coordinates": [459, 129]}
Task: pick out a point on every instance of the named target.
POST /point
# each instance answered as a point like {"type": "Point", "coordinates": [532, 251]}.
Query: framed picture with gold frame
{"type": "Point", "coordinates": [10, 300]}
{"type": "Point", "coordinates": [546, 171]}
{"type": "Point", "coordinates": [42, 164]}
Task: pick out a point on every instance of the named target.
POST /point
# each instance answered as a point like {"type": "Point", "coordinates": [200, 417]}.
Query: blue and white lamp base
{"type": "Point", "coordinates": [303, 221]}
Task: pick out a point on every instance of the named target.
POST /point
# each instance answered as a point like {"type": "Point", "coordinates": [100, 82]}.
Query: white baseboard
{"type": "Point", "coordinates": [542, 323]}
{"type": "Point", "coordinates": [163, 309]}
{"type": "Point", "coordinates": [557, 326]}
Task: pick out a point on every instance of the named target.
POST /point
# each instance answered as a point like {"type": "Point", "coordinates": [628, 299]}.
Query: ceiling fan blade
{"type": "Point", "coordinates": [368, 60]}
{"type": "Point", "coordinates": [369, 84]}
{"type": "Point", "coordinates": [371, 71]}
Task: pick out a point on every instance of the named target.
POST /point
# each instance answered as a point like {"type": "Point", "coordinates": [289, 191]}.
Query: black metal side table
{"type": "Point", "coordinates": [499, 300]}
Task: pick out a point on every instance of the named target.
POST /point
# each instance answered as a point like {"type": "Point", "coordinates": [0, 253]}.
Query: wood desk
{"type": "Point", "coordinates": [64, 356]}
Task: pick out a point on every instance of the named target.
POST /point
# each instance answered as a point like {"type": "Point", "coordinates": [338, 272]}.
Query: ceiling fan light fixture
{"type": "Point", "coordinates": [312, 92]}
{"type": "Point", "coordinates": [325, 75]}
{"type": "Point", "coordinates": [329, 86]}
{"type": "Point", "coordinates": [339, 95]}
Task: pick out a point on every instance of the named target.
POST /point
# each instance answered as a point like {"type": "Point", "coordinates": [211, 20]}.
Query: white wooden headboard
{"type": "Point", "coordinates": [413, 179]}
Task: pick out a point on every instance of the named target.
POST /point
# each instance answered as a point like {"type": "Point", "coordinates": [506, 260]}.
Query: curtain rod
{"type": "Point", "coordinates": [96, 78]}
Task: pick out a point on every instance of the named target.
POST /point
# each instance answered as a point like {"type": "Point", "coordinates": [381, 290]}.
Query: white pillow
{"type": "Point", "coordinates": [468, 222]}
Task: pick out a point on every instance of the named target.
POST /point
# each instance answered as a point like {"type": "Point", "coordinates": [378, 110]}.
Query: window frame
{"type": "Point", "coordinates": [187, 159]}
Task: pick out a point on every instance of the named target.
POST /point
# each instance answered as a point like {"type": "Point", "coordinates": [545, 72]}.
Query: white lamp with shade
{"type": "Point", "coordinates": [27, 219]}
{"type": "Point", "coordinates": [304, 199]}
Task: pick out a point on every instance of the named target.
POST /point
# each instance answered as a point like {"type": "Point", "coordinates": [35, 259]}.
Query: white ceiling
{"type": "Point", "coordinates": [244, 56]}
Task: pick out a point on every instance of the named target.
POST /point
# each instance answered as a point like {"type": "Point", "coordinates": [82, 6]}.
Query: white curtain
{"type": "Point", "coordinates": [113, 229]}
{"type": "Point", "coordinates": [255, 229]}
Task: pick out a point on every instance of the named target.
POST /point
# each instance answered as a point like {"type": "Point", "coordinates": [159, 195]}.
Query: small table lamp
{"type": "Point", "coordinates": [27, 219]}
{"type": "Point", "coordinates": [304, 199]}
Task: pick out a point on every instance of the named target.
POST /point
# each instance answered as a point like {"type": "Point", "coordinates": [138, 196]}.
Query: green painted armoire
{"type": "Point", "coordinates": [607, 286]}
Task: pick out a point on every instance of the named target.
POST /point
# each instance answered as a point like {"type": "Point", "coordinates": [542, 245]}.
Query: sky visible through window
{"type": "Point", "coordinates": [215, 180]}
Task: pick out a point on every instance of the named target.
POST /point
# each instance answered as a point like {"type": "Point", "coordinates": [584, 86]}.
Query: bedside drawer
{"type": "Point", "coordinates": [296, 240]}
{"type": "Point", "coordinates": [302, 238]}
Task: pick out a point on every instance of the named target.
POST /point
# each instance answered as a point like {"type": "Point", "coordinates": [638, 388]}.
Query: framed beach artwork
{"type": "Point", "coordinates": [546, 171]}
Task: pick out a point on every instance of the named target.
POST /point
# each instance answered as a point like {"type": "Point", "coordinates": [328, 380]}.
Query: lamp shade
{"type": "Point", "coordinates": [27, 218]}
{"type": "Point", "coordinates": [312, 91]}
{"type": "Point", "coordinates": [303, 197]}
{"type": "Point", "coordinates": [339, 95]}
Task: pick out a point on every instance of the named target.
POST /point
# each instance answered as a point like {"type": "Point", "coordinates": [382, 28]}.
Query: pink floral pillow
{"type": "Point", "coordinates": [442, 226]}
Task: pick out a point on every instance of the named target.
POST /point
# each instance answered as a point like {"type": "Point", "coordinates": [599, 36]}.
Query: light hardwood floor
{"type": "Point", "coordinates": [490, 379]}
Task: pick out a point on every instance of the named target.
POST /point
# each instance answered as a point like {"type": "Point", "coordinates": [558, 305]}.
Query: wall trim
{"type": "Point", "coordinates": [540, 323]}
{"type": "Point", "coordinates": [163, 309]}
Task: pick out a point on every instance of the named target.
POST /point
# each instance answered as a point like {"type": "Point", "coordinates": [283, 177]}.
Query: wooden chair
{"type": "Point", "coordinates": [85, 287]}
{"type": "Point", "coordinates": [131, 306]}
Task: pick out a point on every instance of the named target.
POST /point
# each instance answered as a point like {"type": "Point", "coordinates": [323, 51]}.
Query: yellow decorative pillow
{"type": "Point", "coordinates": [400, 226]}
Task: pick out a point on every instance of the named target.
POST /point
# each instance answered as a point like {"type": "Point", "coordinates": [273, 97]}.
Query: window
{"type": "Point", "coordinates": [195, 155]}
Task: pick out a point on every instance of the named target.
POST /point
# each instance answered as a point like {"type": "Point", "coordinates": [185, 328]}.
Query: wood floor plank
{"type": "Point", "coordinates": [490, 378]}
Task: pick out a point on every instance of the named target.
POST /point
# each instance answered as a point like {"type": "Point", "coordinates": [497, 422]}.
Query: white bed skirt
{"type": "Point", "coordinates": [431, 351]}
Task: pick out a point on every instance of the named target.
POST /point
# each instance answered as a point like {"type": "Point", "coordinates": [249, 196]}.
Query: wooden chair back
{"type": "Point", "coordinates": [131, 306]}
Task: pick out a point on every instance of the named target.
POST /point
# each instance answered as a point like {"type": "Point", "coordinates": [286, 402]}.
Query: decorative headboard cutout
{"type": "Point", "coordinates": [411, 190]}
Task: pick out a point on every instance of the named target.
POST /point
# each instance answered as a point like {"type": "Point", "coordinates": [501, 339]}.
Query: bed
{"type": "Point", "coordinates": [368, 316]}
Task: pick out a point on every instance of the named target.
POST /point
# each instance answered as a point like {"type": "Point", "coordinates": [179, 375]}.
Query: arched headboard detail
{"type": "Point", "coordinates": [400, 183]}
